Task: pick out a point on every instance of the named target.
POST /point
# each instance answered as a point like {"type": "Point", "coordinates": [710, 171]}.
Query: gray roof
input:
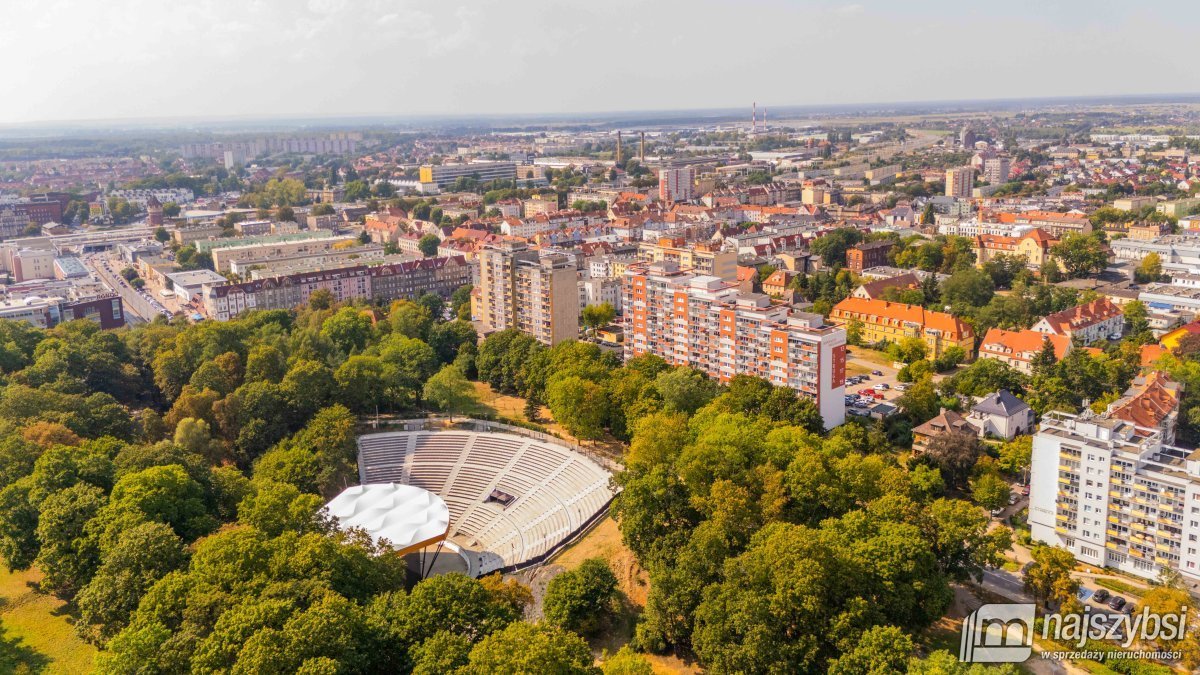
{"type": "Point", "coordinates": [1000, 403]}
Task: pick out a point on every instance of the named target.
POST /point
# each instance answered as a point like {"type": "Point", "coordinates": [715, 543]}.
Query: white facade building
{"type": "Point", "coordinates": [1115, 496]}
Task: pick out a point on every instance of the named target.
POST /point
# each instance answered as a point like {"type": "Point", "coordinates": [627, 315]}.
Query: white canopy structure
{"type": "Point", "coordinates": [408, 517]}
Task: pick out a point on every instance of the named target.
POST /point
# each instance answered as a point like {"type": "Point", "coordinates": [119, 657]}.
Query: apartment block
{"type": "Point", "coordinates": [534, 291]}
{"type": "Point", "coordinates": [881, 320]}
{"type": "Point", "coordinates": [707, 323]}
{"type": "Point", "coordinates": [224, 256]}
{"type": "Point", "coordinates": [696, 257]}
{"type": "Point", "coordinates": [959, 182]}
{"type": "Point", "coordinates": [675, 185]}
{"type": "Point", "coordinates": [379, 283]}
{"type": "Point", "coordinates": [996, 170]}
{"type": "Point", "coordinates": [1115, 493]}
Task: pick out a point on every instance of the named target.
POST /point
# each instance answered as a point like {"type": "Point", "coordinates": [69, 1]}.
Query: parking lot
{"type": "Point", "coordinates": [870, 380]}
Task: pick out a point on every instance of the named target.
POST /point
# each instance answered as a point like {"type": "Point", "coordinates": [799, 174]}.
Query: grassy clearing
{"type": "Point", "coordinates": [39, 636]}
{"type": "Point", "coordinates": [1118, 586]}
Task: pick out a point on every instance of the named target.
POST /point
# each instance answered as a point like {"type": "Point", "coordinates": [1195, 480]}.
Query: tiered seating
{"type": "Point", "coordinates": [555, 489]}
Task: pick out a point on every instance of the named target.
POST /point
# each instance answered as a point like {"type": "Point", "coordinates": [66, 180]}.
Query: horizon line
{"type": "Point", "coordinates": [596, 116]}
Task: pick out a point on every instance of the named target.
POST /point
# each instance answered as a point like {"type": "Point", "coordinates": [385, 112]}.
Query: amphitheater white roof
{"type": "Point", "coordinates": [407, 516]}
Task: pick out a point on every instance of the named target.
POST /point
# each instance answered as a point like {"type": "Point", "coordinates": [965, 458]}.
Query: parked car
{"type": "Point", "coordinates": [1116, 603]}
{"type": "Point", "coordinates": [1014, 498]}
{"type": "Point", "coordinates": [866, 392]}
{"type": "Point", "coordinates": [883, 385]}
{"type": "Point", "coordinates": [996, 512]}
{"type": "Point", "coordinates": [877, 373]}
{"type": "Point", "coordinates": [1025, 490]}
{"type": "Point", "coordinates": [903, 386]}
{"type": "Point", "coordinates": [1101, 596]}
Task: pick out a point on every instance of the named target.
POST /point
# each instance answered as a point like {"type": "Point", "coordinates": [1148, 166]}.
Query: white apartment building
{"type": "Point", "coordinates": [974, 228]}
{"type": "Point", "coordinates": [1115, 495]}
{"type": "Point", "coordinates": [709, 324]}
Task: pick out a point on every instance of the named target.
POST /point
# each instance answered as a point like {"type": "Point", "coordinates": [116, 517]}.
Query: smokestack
{"type": "Point", "coordinates": [618, 146]}
{"type": "Point", "coordinates": [642, 148]}
{"type": "Point", "coordinates": [754, 117]}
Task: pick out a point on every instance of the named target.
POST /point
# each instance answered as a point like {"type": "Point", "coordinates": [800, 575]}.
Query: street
{"type": "Point", "coordinates": [136, 304]}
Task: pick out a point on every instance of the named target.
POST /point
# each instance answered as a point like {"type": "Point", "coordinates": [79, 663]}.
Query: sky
{"type": "Point", "coordinates": [187, 59]}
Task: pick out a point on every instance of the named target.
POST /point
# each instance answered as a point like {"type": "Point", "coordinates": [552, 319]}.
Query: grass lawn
{"type": "Point", "coordinates": [38, 632]}
{"type": "Point", "coordinates": [1120, 587]}
{"type": "Point", "coordinates": [868, 355]}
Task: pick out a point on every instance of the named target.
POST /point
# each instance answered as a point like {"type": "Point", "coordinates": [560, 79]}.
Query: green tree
{"type": "Point", "coordinates": [445, 652]}
{"type": "Point", "coordinates": [410, 319]}
{"type": "Point", "coordinates": [428, 245]}
{"type": "Point", "coordinates": [990, 491]}
{"type": "Point", "coordinates": [320, 299]}
{"type": "Point", "coordinates": [967, 288]}
{"type": "Point", "coordinates": [597, 316]}
{"type": "Point", "coordinates": [832, 247]}
{"type": "Point", "coordinates": [349, 329]}
{"type": "Point", "coordinates": [920, 403]}
{"type": "Point", "coordinates": [579, 405]}
{"type": "Point", "coordinates": [955, 453]}
{"type": "Point", "coordinates": [986, 376]}
{"type": "Point", "coordinates": [1150, 269]}
{"type": "Point", "coordinates": [140, 556]}
{"type": "Point", "coordinates": [908, 350]}
{"type": "Point", "coordinates": [68, 558]}
{"type": "Point", "coordinates": [881, 650]}
{"type": "Point", "coordinates": [1049, 577]}
{"type": "Point", "coordinates": [450, 391]}
{"type": "Point", "coordinates": [526, 648]}
{"type": "Point", "coordinates": [1016, 455]}
{"type": "Point", "coordinates": [685, 389]}
{"type": "Point", "coordinates": [627, 662]}
{"type": "Point", "coordinates": [1081, 254]}
{"type": "Point", "coordinates": [584, 599]}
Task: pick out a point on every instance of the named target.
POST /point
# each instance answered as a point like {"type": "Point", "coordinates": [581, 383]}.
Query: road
{"type": "Point", "coordinates": [135, 303]}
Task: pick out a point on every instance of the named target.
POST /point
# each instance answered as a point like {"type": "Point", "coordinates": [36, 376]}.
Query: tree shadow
{"type": "Point", "coordinates": [19, 658]}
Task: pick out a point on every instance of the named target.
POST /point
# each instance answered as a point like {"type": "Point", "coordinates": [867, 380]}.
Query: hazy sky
{"type": "Point", "coordinates": [90, 59]}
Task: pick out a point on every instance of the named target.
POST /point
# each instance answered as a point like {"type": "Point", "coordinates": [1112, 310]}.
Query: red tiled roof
{"type": "Point", "coordinates": [1021, 345]}
{"type": "Point", "coordinates": [899, 312]}
{"type": "Point", "coordinates": [1082, 316]}
{"type": "Point", "coordinates": [1149, 401]}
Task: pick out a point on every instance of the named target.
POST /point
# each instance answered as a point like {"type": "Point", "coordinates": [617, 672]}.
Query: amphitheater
{"type": "Point", "coordinates": [514, 495]}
